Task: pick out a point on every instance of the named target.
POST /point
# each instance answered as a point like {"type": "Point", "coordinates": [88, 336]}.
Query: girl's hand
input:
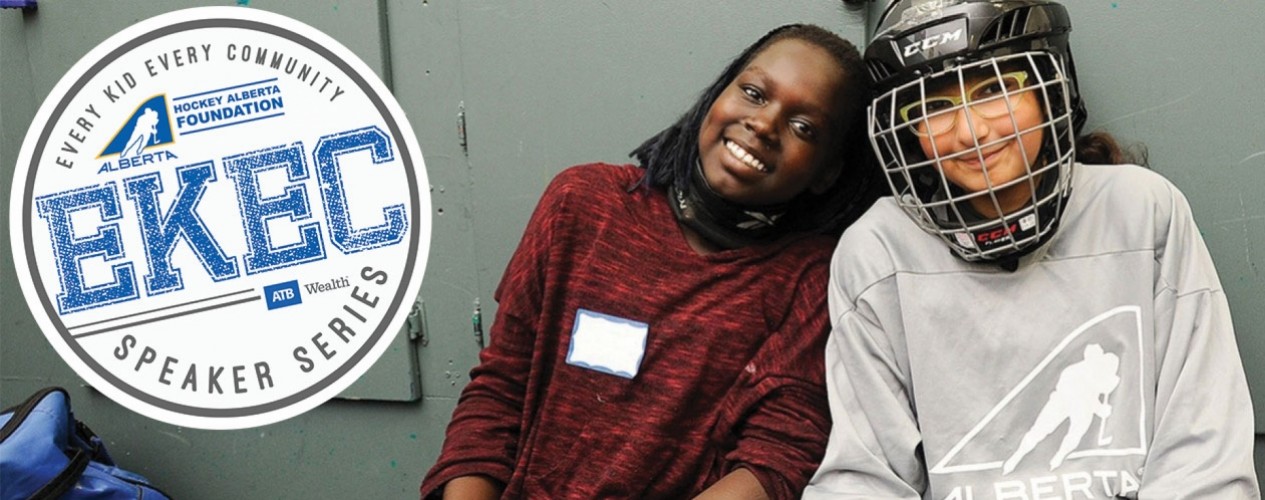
{"type": "Point", "coordinates": [472, 488]}
{"type": "Point", "coordinates": [740, 483]}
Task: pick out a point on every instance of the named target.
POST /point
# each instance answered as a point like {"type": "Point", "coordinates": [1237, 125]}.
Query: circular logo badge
{"type": "Point", "coordinates": [220, 217]}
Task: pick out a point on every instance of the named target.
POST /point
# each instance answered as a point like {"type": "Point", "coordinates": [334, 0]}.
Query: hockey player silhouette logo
{"type": "Point", "coordinates": [143, 133]}
{"type": "Point", "coordinates": [1083, 392]}
{"type": "Point", "coordinates": [148, 126]}
{"type": "Point", "coordinates": [1083, 400]}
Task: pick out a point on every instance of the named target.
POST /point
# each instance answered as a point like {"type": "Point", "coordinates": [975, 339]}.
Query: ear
{"type": "Point", "coordinates": [826, 178]}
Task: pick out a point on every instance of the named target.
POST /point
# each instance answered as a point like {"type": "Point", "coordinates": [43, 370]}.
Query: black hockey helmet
{"type": "Point", "coordinates": [925, 46]}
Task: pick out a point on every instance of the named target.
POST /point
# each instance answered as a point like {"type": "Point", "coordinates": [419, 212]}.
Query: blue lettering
{"type": "Point", "coordinates": [161, 232]}
{"type": "Point", "coordinates": [70, 252]}
{"type": "Point", "coordinates": [342, 234]}
{"type": "Point", "coordinates": [266, 219]}
{"type": "Point", "coordinates": [257, 210]}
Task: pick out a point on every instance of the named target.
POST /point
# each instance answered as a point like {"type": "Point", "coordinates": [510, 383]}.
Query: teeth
{"type": "Point", "coordinates": [743, 155]}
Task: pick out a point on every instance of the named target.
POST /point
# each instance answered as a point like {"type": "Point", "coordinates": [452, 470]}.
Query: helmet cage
{"type": "Point", "coordinates": [946, 210]}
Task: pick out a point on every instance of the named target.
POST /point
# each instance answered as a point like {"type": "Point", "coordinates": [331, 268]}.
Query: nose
{"type": "Point", "coordinates": [763, 123]}
{"type": "Point", "coordinates": [968, 119]}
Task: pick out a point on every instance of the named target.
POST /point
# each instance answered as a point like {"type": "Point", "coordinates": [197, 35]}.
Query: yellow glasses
{"type": "Point", "coordinates": [937, 115]}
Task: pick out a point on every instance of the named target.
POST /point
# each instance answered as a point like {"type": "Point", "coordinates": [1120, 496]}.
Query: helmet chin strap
{"type": "Point", "coordinates": [720, 221]}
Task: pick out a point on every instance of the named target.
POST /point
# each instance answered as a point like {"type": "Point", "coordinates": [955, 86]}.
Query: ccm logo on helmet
{"type": "Point", "coordinates": [932, 41]}
{"type": "Point", "coordinates": [997, 234]}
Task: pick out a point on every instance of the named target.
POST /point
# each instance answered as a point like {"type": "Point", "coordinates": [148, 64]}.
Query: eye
{"type": "Point", "coordinates": [804, 129]}
{"type": "Point", "coordinates": [987, 89]}
{"type": "Point", "coordinates": [1007, 84]}
{"type": "Point", "coordinates": [932, 105]}
{"type": "Point", "coordinates": [753, 93]}
{"type": "Point", "coordinates": [938, 104]}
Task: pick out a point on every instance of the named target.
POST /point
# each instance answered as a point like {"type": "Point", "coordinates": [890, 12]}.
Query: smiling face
{"type": "Point", "coordinates": [767, 137]}
{"type": "Point", "coordinates": [1003, 154]}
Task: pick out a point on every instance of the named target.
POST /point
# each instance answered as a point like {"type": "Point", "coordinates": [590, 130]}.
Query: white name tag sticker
{"type": "Point", "coordinates": [607, 344]}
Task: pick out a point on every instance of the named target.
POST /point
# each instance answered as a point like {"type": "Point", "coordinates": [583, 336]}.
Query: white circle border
{"type": "Point", "coordinates": [37, 137]}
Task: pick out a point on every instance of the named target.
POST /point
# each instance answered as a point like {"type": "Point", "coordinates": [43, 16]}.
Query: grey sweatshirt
{"type": "Point", "coordinates": [1105, 365]}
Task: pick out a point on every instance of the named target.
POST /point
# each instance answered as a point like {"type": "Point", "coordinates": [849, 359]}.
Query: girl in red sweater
{"type": "Point", "coordinates": [660, 329]}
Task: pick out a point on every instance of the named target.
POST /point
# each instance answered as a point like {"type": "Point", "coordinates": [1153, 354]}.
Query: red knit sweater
{"type": "Point", "coordinates": [732, 374]}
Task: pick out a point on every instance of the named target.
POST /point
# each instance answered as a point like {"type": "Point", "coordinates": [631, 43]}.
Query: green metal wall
{"type": "Point", "coordinates": [547, 84]}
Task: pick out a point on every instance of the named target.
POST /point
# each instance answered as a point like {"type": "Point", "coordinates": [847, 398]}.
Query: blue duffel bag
{"type": "Point", "coordinates": [46, 453]}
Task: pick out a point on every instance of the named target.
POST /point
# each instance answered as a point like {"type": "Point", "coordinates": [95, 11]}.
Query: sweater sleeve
{"type": "Point", "coordinates": [483, 436]}
{"type": "Point", "coordinates": [875, 447]}
{"type": "Point", "coordinates": [1202, 444]}
{"type": "Point", "coordinates": [782, 418]}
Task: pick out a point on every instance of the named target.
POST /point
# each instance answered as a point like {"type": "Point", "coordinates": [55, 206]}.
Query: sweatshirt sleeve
{"type": "Point", "coordinates": [482, 438]}
{"type": "Point", "coordinates": [782, 417]}
{"type": "Point", "coordinates": [875, 447]}
{"type": "Point", "coordinates": [1202, 447]}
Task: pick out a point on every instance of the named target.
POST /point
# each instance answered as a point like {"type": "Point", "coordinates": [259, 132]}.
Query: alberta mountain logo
{"type": "Point", "coordinates": [148, 127]}
{"type": "Point", "coordinates": [1073, 425]}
